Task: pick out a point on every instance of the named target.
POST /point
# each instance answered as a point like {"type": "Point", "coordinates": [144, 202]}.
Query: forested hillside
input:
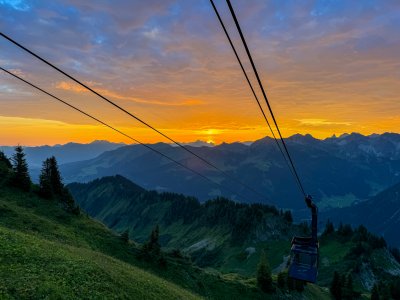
{"type": "Point", "coordinates": [210, 232]}
{"type": "Point", "coordinates": [380, 214]}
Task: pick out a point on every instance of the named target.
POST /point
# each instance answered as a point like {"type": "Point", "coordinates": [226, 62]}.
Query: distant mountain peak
{"type": "Point", "coordinates": [351, 135]}
{"type": "Point", "coordinates": [343, 135]}
{"type": "Point", "coordinates": [299, 135]}
{"type": "Point", "coordinates": [197, 143]}
{"type": "Point", "coordinates": [94, 142]}
{"type": "Point", "coordinates": [104, 142]}
{"type": "Point", "coordinates": [302, 139]}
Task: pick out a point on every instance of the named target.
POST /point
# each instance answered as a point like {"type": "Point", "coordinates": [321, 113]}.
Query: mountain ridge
{"type": "Point", "coordinates": [351, 168]}
{"type": "Point", "coordinates": [65, 153]}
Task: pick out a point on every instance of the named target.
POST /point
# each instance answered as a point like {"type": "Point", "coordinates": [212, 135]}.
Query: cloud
{"type": "Point", "coordinates": [321, 122]}
{"type": "Point", "coordinates": [63, 85]}
{"type": "Point", "coordinates": [20, 5]}
{"type": "Point", "coordinates": [76, 88]}
{"type": "Point", "coordinates": [18, 121]}
{"type": "Point", "coordinates": [326, 65]}
{"type": "Point", "coordinates": [152, 33]}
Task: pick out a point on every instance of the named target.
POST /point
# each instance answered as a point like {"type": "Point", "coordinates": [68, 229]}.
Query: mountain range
{"type": "Point", "coordinates": [337, 171]}
{"type": "Point", "coordinates": [380, 214]}
{"type": "Point", "coordinates": [169, 246]}
{"type": "Point", "coordinates": [66, 153]}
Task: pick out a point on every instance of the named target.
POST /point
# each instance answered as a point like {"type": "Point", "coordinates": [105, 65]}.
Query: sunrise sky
{"type": "Point", "coordinates": [329, 67]}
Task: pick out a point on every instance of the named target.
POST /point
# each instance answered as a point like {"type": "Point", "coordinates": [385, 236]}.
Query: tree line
{"type": "Point", "coordinates": [364, 243]}
{"type": "Point", "coordinates": [15, 172]}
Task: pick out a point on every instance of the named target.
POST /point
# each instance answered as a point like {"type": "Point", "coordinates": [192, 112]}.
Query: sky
{"type": "Point", "coordinates": [329, 67]}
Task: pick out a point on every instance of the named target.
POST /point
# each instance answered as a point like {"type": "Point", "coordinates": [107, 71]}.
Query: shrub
{"type": "Point", "coordinates": [282, 279]}
{"type": "Point", "coordinates": [264, 278]}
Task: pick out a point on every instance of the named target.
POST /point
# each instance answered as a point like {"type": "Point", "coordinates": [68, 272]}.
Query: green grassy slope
{"type": "Point", "coordinates": [82, 247]}
{"type": "Point", "coordinates": [32, 267]}
{"type": "Point", "coordinates": [46, 252]}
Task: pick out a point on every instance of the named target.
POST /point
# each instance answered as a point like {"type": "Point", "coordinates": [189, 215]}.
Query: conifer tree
{"type": "Point", "coordinates": [281, 279]}
{"type": "Point", "coordinates": [340, 228]}
{"type": "Point", "coordinates": [395, 288]}
{"type": "Point", "coordinates": [4, 160]}
{"type": "Point", "coordinates": [50, 179]}
{"type": "Point", "coordinates": [21, 177]}
{"type": "Point", "coordinates": [348, 289]}
{"type": "Point", "coordinates": [375, 293]}
{"type": "Point", "coordinates": [385, 292]}
{"type": "Point", "coordinates": [5, 165]}
{"type": "Point", "coordinates": [264, 278]}
{"type": "Point", "coordinates": [51, 185]}
{"type": "Point", "coordinates": [336, 286]}
{"type": "Point", "coordinates": [349, 282]}
{"type": "Point", "coordinates": [329, 228]}
{"type": "Point", "coordinates": [287, 215]}
{"type": "Point", "coordinates": [152, 248]}
{"type": "Point", "coordinates": [68, 201]}
{"type": "Point", "coordinates": [55, 177]}
{"type": "Point", "coordinates": [154, 240]}
{"type": "Point", "coordinates": [125, 236]}
{"type": "Point", "coordinates": [45, 188]}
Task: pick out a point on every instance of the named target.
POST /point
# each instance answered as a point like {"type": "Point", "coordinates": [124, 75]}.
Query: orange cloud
{"type": "Point", "coordinates": [63, 85]}
{"type": "Point", "coordinates": [321, 122]}
{"type": "Point", "coordinates": [76, 88]}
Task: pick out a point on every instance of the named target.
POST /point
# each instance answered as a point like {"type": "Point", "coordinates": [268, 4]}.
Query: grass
{"type": "Point", "coordinates": [315, 292]}
{"type": "Point", "coordinates": [332, 257]}
{"type": "Point", "coordinates": [237, 260]}
{"type": "Point", "coordinates": [32, 267]}
{"type": "Point", "coordinates": [47, 252]}
{"type": "Point", "coordinates": [337, 201]}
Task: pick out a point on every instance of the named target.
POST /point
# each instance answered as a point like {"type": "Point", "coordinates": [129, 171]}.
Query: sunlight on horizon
{"type": "Point", "coordinates": [329, 69]}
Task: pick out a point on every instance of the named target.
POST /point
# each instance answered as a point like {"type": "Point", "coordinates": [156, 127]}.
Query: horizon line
{"type": "Point", "coordinates": [203, 142]}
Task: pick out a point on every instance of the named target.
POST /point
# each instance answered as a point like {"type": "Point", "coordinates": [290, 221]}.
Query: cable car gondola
{"type": "Point", "coordinates": [304, 254]}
